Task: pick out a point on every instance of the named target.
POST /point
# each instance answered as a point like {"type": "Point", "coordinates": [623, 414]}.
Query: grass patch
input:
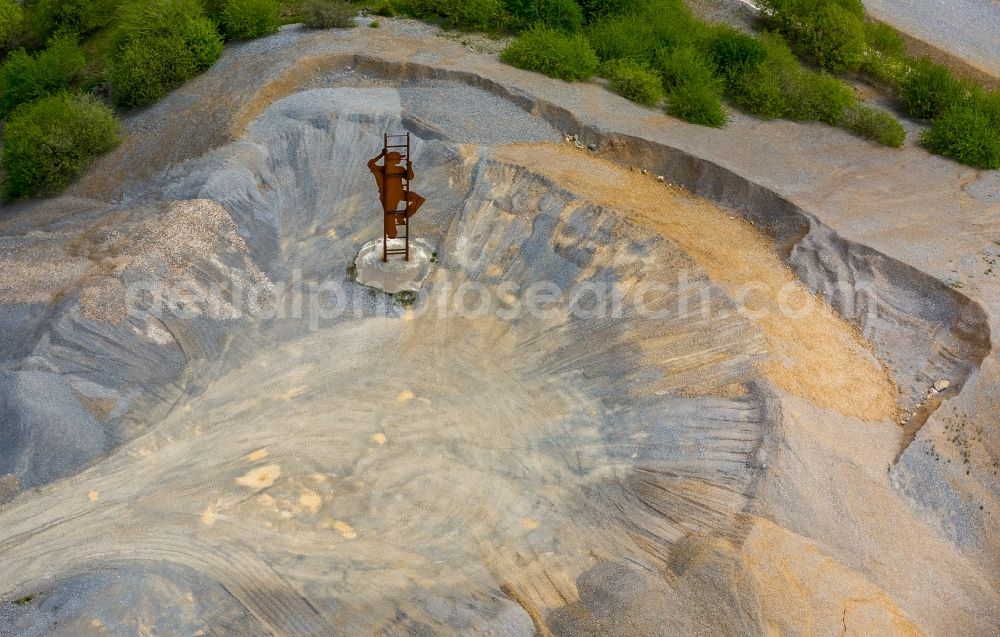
{"type": "Point", "coordinates": [554, 53]}
{"type": "Point", "coordinates": [49, 142]}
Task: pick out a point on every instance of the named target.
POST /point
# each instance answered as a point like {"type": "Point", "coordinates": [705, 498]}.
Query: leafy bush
{"type": "Point", "coordinates": [250, 19]}
{"type": "Point", "coordinates": [634, 81]}
{"type": "Point", "coordinates": [697, 103]}
{"type": "Point", "coordinates": [989, 103]}
{"type": "Point", "coordinates": [875, 124]}
{"type": "Point", "coordinates": [384, 9]}
{"type": "Point", "coordinates": [48, 142]}
{"type": "Point", "coordinates": [884, 39]}
{"type": "Point", "coordinates": [24, 78]}
{"type": "Point", "coordinates": [594, 10]}
{"type": "Point", "coordinates": [929, 89]}
{"type": "Point", "coordinates": [328, 14]}
{"type": "Point", "coordinates": [685, 65]}
{"type": "Point", "coordinates": [202, 40]}
{"type": "Point", "coordinates": [834, 38]}
{"type": "Point", "coordinates": [761, 89]}
{"type": "Point", "coordinates": [50, 17]}
{"type": "Point", "coordinates": [552, 52]}
{"type": "Point", "coordinates": [161, 43]}
{"type": "Point", "coordinates": [694, 92]}
{"type": "Point", "coordinates": [780, 87]}
{"type": "Point", "coordinates": [485, 15]}
{"type": "Point", "coordinates": [733, 51]}
{"type": "Point", "coordinates": [143, 71]}
{"type": "Point", "coordinates": [967, 133]}
{"type": "Point", "coordinates": [559, 14]}
{"type": "Point", "coordinates": [11, 17]}
{"type": "Point", "coordinates": [758, 91]}
{"type": "Point", "coordinates": [816, 96]}
{"type": "Point", "coordinates": [619, 37]}
{"type": "Point", "coordinates": [831, 32]}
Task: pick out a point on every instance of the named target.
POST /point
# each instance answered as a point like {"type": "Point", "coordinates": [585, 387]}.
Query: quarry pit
{"type": "Point", "coordinates": [737, 411]}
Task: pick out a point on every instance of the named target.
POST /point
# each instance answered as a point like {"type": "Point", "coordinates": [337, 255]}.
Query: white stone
{"type": "Point", "coordinates": [396, 274]}
{"type": "Point", "coordinates": [942, 385]}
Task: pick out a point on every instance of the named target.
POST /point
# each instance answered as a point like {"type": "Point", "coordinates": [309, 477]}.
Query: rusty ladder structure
{"type": "Point", "coordinates": [404, 150]}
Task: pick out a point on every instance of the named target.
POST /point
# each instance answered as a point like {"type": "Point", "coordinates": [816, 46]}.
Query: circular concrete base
{"type": "Point", "coordinates": [396, 274]}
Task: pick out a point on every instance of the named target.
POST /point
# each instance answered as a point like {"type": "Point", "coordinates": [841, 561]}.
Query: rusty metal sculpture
{"type": "Point", "coordinates": [393, 179]}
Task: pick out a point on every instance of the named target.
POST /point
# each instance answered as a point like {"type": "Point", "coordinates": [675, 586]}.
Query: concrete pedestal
{"type": "Point", "coordinates": [397, 274]}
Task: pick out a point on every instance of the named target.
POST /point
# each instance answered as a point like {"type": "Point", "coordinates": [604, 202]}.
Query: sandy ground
{"type": "Point", "coordinates": [814, 354]}
{"type": "Point", "coordinates": [966, 29]}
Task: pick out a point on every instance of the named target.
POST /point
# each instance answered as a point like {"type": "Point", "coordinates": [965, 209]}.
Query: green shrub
{"type": "Point", "coordinates": [202, 40]}
{"type": "Point", "coordinates": [554, 53]}
{"type": "Point", "coordinates": [780, 87]}
{"type": "Point", "coordinates": [143, 71]}
{"type": "Point", "coordinates": [484, 15]}
{"type": "Point", "coordinates": [250, 19]}
{"type": "Point", "coordinates": [989, 103]}
{"type": "Point", "coordinates": [11, 17]}
{"type": "Point", "coordinates": [816, 96]}
{"type": "Point", "coordinates": [49, 17]}
{"type": "Point", "coordinates": [875, 124]}
{"type": "Point", "coordinates": [661, 24]}
{"type": "Point", "coordinates": [619, 37]}
{"type": "Point", "coordinates": [594, 10]}
{"type": "Point", "coordinates": [967, 133]}
{"type": "Point", "coordinates": [694, 92]}
{"type": "Point", "coordinates": [565, 15]}
{"type": "Point", "coordinates": [697, 103]}
{"type": "Point", "coordinates": [733, 51]}
{"type": "Point", "coordinates": [161, 43]}
{"type": "Point", "coordinates": [48, 142]}
{"type": "Point", "coordinates": [830, 32]}
{"type": "Point", "coordinates": [685, 65]}
{"type": "Point", "coordinates": [760, 89]}
{"type": "Point", "coordinates": [634, 81]}
{"type": "Point", "coordinates": [24, 78]}
{"type": "Point", "coordinates": [385, 9]}
{"type": "Point", "coordinates": [929, 89]}
{"type": "Point", "coordinates": [328, 14]}
{"type": "Point", "coordinates": [834, 38]}
{"type": "Point", "coordinates": [884, 39]}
